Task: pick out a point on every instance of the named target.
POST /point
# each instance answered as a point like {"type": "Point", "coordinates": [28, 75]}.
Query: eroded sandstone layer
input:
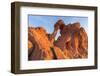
{"type": "Point", "coordinates": [71, 44]}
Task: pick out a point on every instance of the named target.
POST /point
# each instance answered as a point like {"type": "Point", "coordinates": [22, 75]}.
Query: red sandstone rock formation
{"type": "Point", "coordinates": [41, 45]}
{"type": "Point", "coordinates": [73, 42]}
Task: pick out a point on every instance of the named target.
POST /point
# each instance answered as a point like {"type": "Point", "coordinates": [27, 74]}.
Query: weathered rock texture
{"type": "Point", "coordinates": [73, 42]}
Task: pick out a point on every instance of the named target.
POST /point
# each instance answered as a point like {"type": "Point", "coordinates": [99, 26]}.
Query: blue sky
{"type": "Point", "coordinates": [48, 21]}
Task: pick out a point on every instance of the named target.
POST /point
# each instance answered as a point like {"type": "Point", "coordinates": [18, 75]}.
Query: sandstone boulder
{"type": "Point", "coordinates": [41, 44]}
